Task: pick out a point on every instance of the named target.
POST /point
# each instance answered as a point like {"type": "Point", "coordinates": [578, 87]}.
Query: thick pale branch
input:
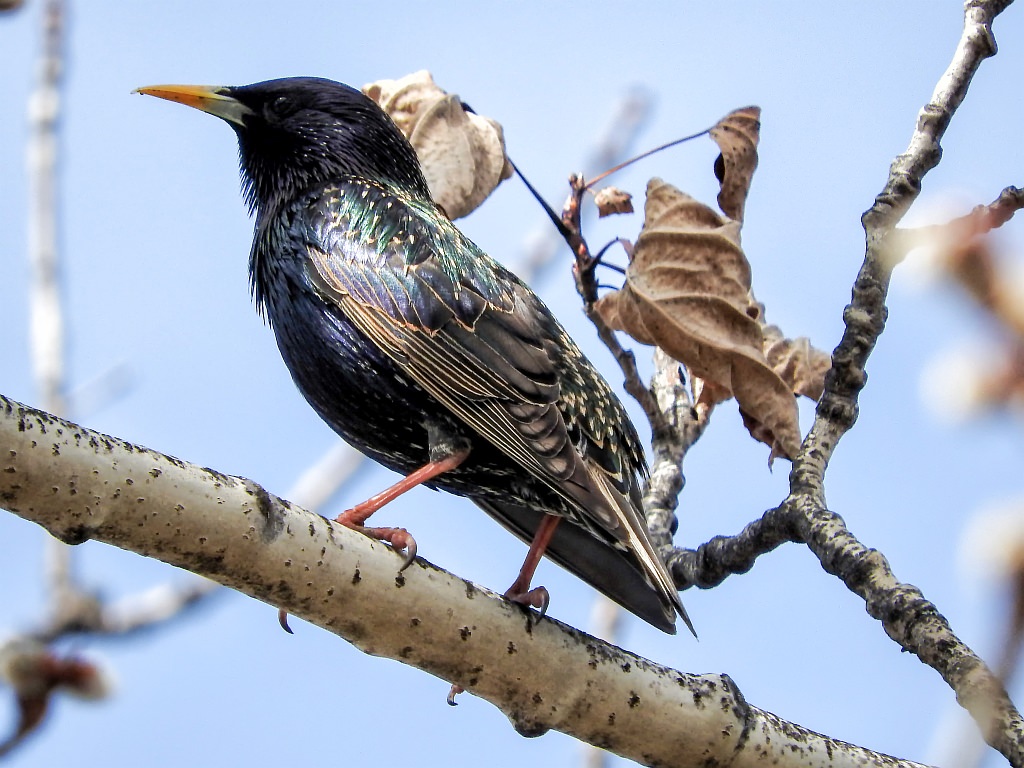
{"type": "Point", "coordinates": [81, 485]}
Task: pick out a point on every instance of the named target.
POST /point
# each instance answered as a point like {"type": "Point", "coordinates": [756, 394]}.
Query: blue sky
{"type": "Point", "coordinates": [155, 238]}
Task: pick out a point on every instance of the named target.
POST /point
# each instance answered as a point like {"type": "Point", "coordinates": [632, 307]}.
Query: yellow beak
{"type": "Point", "coordinates": [212, 99]}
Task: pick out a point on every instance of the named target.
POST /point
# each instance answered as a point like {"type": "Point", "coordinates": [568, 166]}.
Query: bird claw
{"type": "Point", "coordinates": [453, 692]}
{"type": "Point", "coordinates": [399, 539]}
{"type": "Point", "coordinates": [538, 598]}
{"type": "Point", "coordinates": [282, 619]}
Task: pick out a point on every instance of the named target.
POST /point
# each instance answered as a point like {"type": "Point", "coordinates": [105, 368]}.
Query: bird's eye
{"type": "Point", "coordinates": [280, 107]}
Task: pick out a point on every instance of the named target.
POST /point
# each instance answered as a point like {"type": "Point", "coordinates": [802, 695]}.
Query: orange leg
{"type": "Point", "coordinates": [399, 538]}
{"type": "Point", "coordinates": [520, 591]}
{"type": "Point", "coordinates": [355, 517]}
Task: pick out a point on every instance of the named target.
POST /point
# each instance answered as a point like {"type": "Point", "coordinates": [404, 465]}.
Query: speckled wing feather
{"type": "Point", "coordinates": [455, 322]}
{"type": "Point", "coordinates": [482, 344]}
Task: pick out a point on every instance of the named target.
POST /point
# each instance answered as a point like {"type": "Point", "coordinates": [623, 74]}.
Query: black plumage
{"type": "Point", "coordinates": [414, 345]}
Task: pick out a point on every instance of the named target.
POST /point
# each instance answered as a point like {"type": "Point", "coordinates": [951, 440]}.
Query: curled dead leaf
{"type": "Point", "coordinates": [800, 365]}
{"type": "Point", "coordinates": [688, 291]}
{"type": "Point", "coordinates": [612, 200]}
{"type": "Point", "coordinates": [736, 135]}
{"type": "Point", "coordinates": [462, 153]}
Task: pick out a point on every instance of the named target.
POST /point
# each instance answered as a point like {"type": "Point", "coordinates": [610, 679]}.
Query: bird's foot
{"type": "Point", "coordinates": [538, 598]}
{"type": "Point", "coordinates": [456, 689]}
{"type": "Point", "coordinates": [399, 538]}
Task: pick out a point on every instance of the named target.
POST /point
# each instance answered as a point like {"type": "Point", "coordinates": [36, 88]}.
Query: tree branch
{"type": "Point", "coordinates": [905, 614]}
{"type": "Point", "coordinates": [82, 485]}
{"type": "Point", "coordinates": [866, 314]}
{"type": "Point", "coordinates": [981, 220]}
{"type": "Point", "coordinates": [907, 617]}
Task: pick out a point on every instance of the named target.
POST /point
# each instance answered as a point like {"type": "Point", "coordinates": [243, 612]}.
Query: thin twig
{"type": "Point", "coordinates": [683, 426]}
{"type": "Point", "coordinates": [969, 259]}
{"type": "Point", "coordinates": [907, 617]}
{"type": "Point", "coordinates": [46, 321]}
{"type": "Point", "coordinates": [45, 306]}
{"type": "Point", "coordinates": [628, 117]}
{"type": "Point", "coordinates": [668, 145]}
{"type": "Point", "coordinates": [586, 286]}
{"type": "Point", "coordinates": [981, 220]}
{"type": "Point", "coordinates": [323, 479]}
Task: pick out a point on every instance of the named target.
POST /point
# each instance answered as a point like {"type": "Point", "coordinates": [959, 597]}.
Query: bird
{"type": "Point", "coordinates": [426, 354]}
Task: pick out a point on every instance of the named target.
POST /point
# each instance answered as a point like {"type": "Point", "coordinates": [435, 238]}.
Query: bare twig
{"type": "Point", "coordinates": [907, 617]}
{"type": "Point", "coordinates": [981, 220]}
{"type": "Point", "coordinates": [667, 145]}
{"type": "Point", "coordinates": [586, 286]}
{"type": "Point", "coordinates": [30, 667]}
{"type": "Point", "coordinates": [73, 609]}
{"type": "Point", "coordinates": [155, 606]}
{"type": "Point", "coordinates": [905, 614]}
{"type": "Point", "coordinates": [683, 426]}
{"type": "Point", "coordinates": [865, 316]}
{"type": "Point", "coordinates": [46, 313]}
{"type": "Point", "coordinates": [968, 257]}
{"type": "Point", "coordinates": [628, 117]}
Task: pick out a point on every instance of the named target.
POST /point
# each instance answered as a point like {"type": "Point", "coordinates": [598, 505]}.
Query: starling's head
{"type": "Point", "coordinates": [302, 131]}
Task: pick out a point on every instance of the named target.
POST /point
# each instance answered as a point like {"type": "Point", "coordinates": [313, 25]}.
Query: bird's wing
{"type": "Point", "coordinates": [465, 330]}
{"type": "Point", "coordinates": [482, 344]}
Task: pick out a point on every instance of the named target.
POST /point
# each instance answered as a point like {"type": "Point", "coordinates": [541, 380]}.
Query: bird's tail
{"type": "Point", "coordinates": [620, 575]}
{"type": "Point", "coordinates": [638, 540]}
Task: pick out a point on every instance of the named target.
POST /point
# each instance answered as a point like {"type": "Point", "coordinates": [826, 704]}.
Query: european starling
{"type": "Point", "coordinates": [422, 351]}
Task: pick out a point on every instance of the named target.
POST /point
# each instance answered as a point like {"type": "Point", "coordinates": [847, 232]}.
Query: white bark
{"type": "Point", "coordinates": [79, 485]}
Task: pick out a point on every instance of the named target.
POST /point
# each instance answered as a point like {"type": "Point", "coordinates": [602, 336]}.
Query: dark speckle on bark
{"type": "Point", "coordinates": [76, 535]}
{"type": "Point", "coordinates": [270, 514]}
{"type": "Point", "coordinates": [528, 728]}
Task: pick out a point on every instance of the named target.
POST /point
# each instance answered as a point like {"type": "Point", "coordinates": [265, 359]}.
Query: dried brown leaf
{"type": "Point", "coordinates": [462, 154]}
{"type": "Point", "coordinates": [612, 200]}
{"type": "Point", "coordinates": [800, 365]}
{"type": "Point", "coordinates": [688, 291]}
{"type": "Point", "coordinates": [708, 394]}
{"type": "Point", "coordinates": [736, 135]}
